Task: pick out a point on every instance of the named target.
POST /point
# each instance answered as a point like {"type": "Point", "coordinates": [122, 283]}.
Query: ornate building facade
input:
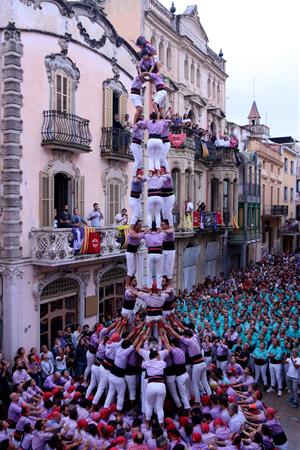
{"type": "Point", "coordinates": [65, 72]}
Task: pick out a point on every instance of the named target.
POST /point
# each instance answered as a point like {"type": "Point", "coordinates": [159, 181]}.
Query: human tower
{"type": "Point", "coordinates": [146, 352]}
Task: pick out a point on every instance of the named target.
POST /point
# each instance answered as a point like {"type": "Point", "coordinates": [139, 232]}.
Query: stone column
{"type": "Point", "coordinates": [12, 300]}
{"type": "Point", "coordinates": [220, 196]}
{"type": "Point", "coordinates": [208, 195]}
{"type": "Point", "coordinates": [230, 199]}
{"type": "Point", "coordinates": [12, 126]}
{"type": "Point", "coordinates": [181, 200]}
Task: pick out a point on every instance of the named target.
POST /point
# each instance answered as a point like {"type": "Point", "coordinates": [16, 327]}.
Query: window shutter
{"type": "Point", "coordinates": [111, 203]}
{"type": "Point", "coordinates": [108, 108]}
{"type": "Point", "coordinates": [46, 199]}
{"type": "Point", "coordinates": [122, 107]}
{"type": "Point", "coordinates": [62, 92]}
{"type": "Point", "coordinates": [79, 195]}
{"type": "Point", "coordinates": [114, 200]}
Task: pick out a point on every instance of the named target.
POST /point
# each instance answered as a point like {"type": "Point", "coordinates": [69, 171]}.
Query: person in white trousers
{"type": "Point", "coordinates": [168, 197]}
{"type": "Point", "coordinates": [165, 145]}
{"type": "Point", "coordinates": [136, 147]}
{"type": "Point", "coordinates": [154, 202]}
{"type": "Point", "coordinates": [168, 253]}
{"type": "Point", "coordinates": [134, 238]}
{"type": "Point", "coordinates": [153, 241]}
{"type": "Point", "coordinates": [95, 377]}
{"type": "Point", "coordinates": [135, 197]}
{"type": "Point", "coordinates": [92, 350]}
{"type": "Point", "coordinates": [275, 366]}
{"type": "Point", "coordinates": [260, 356]}
{"type": "Point", "coordinates": [155, 389]}
{"type": "Point", "coordinates": [182, 377]}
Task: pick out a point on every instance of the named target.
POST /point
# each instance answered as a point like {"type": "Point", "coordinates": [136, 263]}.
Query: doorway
{"type": "Point", "coordinates": [111, 293]}
{"type": "Point", "coordinates": [62, 192]}
{"type": "Point", "coordinates": [58, 309]}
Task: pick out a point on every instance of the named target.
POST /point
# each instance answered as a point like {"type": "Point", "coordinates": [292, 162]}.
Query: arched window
{"type": "Point", "coordinates": [153, 41]}
{"type": "Point", "coordinates": [161, 53]}
{"type": "Point", "coordinates": [188, 193]}
{"type": "Point", "coordinates": [192, 73]}
{"type": "Point", "coordinates": [169, 58]}
{"type": "Point", "coordinates": [214, 90]}
{"type": "Point", "coordinates": [111, 292]}
{"type": "Point", "coordinates": [114, 200]}
{"type": "Point", "coordinates": [218, 95]}
{"type": "Point", "coordinates": [186, 69]}
{"type": "Point", "coordinates": [198, 77]}
{"type": "Point", "coordinates": [209, 87]}
{"type": "Point", "coordinates": [58, 309]}
{"type": "Point", "coordinates": [63, 77]}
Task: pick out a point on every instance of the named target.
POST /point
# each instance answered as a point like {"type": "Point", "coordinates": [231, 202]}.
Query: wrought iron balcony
{"type": "Point", "coordinates": [52, 247]}
{"type": "Point", "coordinates": [275, 210]}
{"type": "Point", "coordinates": [115, 144]}
{"type": "Point", "coordinates": [64, 131]}
{"type": "Point", "coordinates": [241, 236]}
{"type": "Point", "coordinates": [290, 229]}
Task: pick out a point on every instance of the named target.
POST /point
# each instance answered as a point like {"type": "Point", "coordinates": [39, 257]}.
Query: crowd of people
{"type": "Point", "coordinates": [195, 378]}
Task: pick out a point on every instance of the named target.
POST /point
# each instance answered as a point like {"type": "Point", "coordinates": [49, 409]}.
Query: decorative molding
{"type": "Point", "coordinates": [115, 69]}
{"type": "Point", "coordinates": [62, 162]}
{"type": "Point", "coordinates": [64, 8]}
{"type": "Point", "coordinates": [114, 171]}
{"type": "Point", "coordinates": [113, 83]}
{"type": "Point", "coordinates": [98, 274]}
{"type": "Point", "coordinates": [11, 150]}
{"type": "Point", "coordinates": [94, 43]}
{"type": "Point", "coordinates": [11, 272]}
{"type": "Point", "coordinates": [57, 61]}
{"type": "Point", "coordinates": [64, 44]}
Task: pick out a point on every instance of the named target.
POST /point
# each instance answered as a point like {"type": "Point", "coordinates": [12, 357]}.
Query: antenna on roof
{"type": "Point", "coordinates": [253, 88]}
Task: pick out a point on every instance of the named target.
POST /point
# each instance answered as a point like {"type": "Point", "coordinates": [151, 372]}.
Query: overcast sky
{"type": "Point", "coordinates": [259, 39]}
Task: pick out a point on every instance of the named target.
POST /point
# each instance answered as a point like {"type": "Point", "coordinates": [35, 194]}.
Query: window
{"type": "Point", "coordinates": [186, 69]}
{"type": "Point", "coordinates": [298, 186]}
{"type": "Point", "coordinates": [111, 291]}
{"type": "Point", "coordinates": [263, 195]}
{"type": "Point", "coordinates": [114, 200]}
{"type": "Point", "coordinates": [292, 195]}
{"type": "Point", "coordinates": [292, 167]}
{"type": "Point", "coordinates": [114, 102]}
{"type": "Point", "coordinates": [272, 168]}
{"type": "Point", "coordinates": [192, 73]}
{"type": "Point", "coordinates": [285, 164]}
{"type": "Point", "coordinates": [176, 184]}
{"type": "Point", "coordinates": [264, 165]}
{"type": "Point", "coordinates": [285, 194]}
{"type": "Point", "coordinates": [278, 170]}
{"type": "Point", "coordinates": [209, 87]}
{"type": "Point", "coordinates": [198, 77]}
{"type": "Point", "coordinates": [153, 41]}
{"type": "Point", "coordinates": [271, 195]}
{"type": "Point", "coordinates": [161, 53]}
{"type": "Point", "coordinates": [218, 95]}
{"type": "Point", "coordinates": [278, 196]}
{"type": "Point", "coordinates": [169, 58]}
{"type": "Point", "coordinates": [62, 92]}
{"type": "Point", "coordinates": [214, 92]}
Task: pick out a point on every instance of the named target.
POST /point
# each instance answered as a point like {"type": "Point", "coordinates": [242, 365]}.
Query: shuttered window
{"type": "Point", "coordinates": [46, 200]}
{"type": "Point", "coordinates": [114, 200]}
{"type": "Point", "coordinates": [79, 195]}
{"type": "Point", "coordinates": [122, 107]}
{"type": "Point", "coordinates": [108, 108]}
{"type": "Point", "coordinates": [62, 98]}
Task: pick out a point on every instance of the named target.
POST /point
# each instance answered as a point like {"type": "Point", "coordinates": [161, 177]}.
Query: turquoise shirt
{"type": "Point", "coordinates": [276, 352]}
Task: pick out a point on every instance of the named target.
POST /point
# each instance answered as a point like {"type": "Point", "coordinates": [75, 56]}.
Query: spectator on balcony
{"type": "Point", "coordinates": [65, 218]}
{"type": "Point", "coordinates": [201, 207]}
{"type": "Point", "coordinates": [186, 121]}
{"type": "Point", "coordinates": [121, 218]}
{"type": "Point", "coordinates": [234, 142]}
{"type": "Point", "coordinates": [55, 219]}
{"type": "Point", "coordinates": [77, 229]}
{"type": "Point", "coordinates": [176, 120]}
{"type": "Point", "coordinates": [188, 215]}
{"type": "Point", "coordinates": [96, 216]}
{"type": "Point", "coordinates": [117, 133]}
{"type": "Point", "coordinates": [127, 127]}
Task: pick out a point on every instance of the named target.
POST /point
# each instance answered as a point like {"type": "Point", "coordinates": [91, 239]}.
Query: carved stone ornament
{"type": "Point", "coordinates": [94, 43]}
{"type": "Point", "coordinates": [11, 32]}
{"type": "Point", "coordinates": [62, 162]}
{"type": "Point", "coordinates": [60, 61]}
{"type": "Point", "coordinates": [115, 85]}
{"type": "Point", "coordinates": [114, 171]}
{"type": "Point", "coordinates": [65, 7]}
{"type": "Point", "coordinates": [11, 272]}
{"type": "Point", "coordinates": [115, 69]}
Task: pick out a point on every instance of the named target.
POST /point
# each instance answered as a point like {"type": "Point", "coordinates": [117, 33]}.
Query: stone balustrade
{"type": "Point", "coordinates": [53, 246]}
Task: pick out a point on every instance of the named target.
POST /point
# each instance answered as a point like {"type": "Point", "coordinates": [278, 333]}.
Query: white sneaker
{"type": "Point", "coordinates": [270, 390]}
{"type": "Point", "coordinates": [279, 393]}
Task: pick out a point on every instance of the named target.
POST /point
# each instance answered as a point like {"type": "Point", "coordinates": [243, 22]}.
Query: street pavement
{"type": "Point", "coordinates": [289, 417]}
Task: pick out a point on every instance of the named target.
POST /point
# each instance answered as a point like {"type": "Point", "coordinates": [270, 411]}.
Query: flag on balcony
{"type": "Point", "coordinates": [177, 140]}
{"type": "Point", "coordinates": [91, 242]}
{"type": "Point", "coordinates": [204, 150]}
{"type": "Point", "coordinates": [196, 219]}
{"type": "Point", "coordinates": [235, 224]}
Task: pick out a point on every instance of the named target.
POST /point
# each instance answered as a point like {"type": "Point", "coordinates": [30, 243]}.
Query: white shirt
{"type": "Point", "coordinates": [121, 220]}
{"type": "Point", "coordinates": [236, 422]}
{"type": "Point", "coordinates": [189, 207]}
{"type": "Point", "coordinates": [292, 371]}
{"type": "Point", "coordinates": [96, 218]}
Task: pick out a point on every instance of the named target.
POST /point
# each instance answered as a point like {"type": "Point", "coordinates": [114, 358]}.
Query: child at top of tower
{"type": "Point", "coordinates": [147, 63]}
{"type": "Point", "coordinates": [143, 44]}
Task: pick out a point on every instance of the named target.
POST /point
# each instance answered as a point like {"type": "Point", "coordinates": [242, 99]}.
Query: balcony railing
{"type": "Point", "coordinates": [204, 151]}
{"type": "Point", "coordinates": [275, 210]}
{"type": "Point", "coordinates": [115, 144]}
{"type": "Point", "coordinates": [207, 222]}
{"type": "Point", "coordinates": [291, 228]}
{"type": "Point", "coordinates": [53, 246]}
{"type": "Point", "coordinates": [240, 236]}
{"type": "Point", "coordinates": [66, 131]}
